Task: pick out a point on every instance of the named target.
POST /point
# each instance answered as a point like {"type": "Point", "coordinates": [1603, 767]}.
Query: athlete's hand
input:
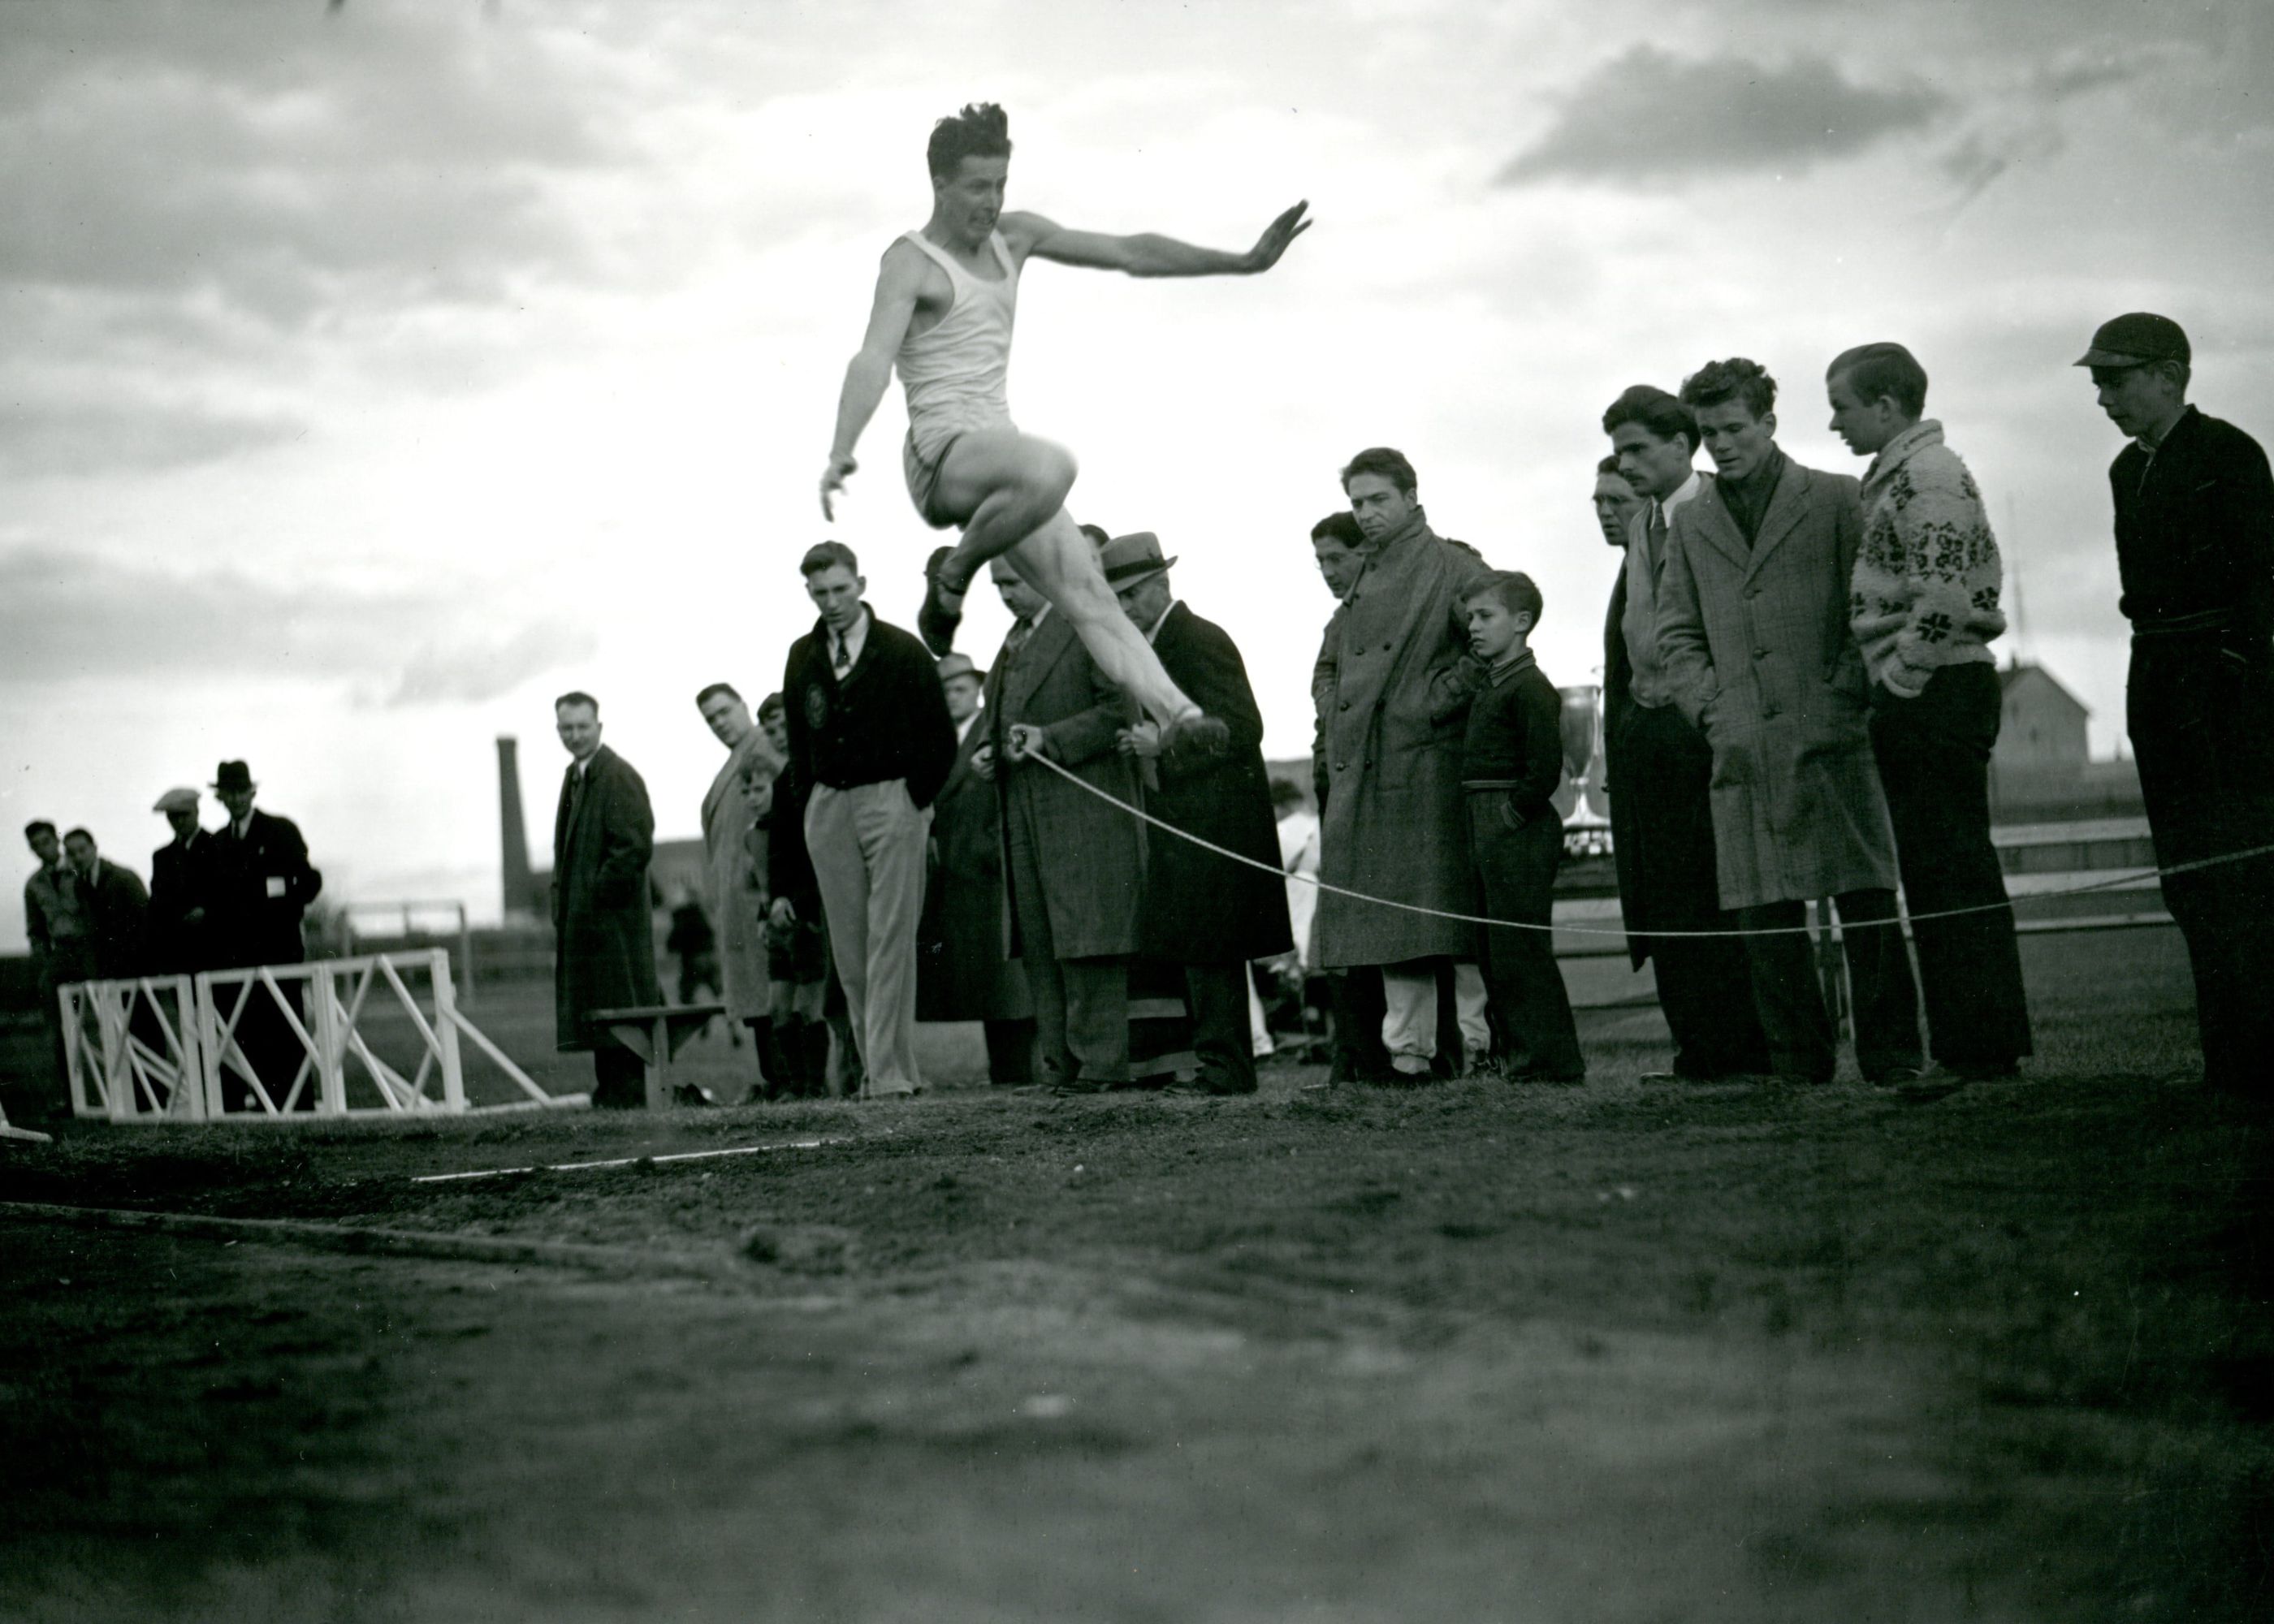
{"type": "Point", "coordinates": [833, 481]}
{"type": "Point", "coordinates": [1276, 238]}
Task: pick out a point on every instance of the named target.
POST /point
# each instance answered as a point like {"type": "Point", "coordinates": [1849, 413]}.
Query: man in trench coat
{"type": "Point", "coordinates": [603, 836]}
{"type": "Point", "coordinates": [1076, 866]}
{"type": "Point", "coordinates": [1754, 639]}
{"type": "Point", "coordinates": [1393, 687]}
{"type": "Point", "coordinates": [1203, 912]}
{"type": "Point", "coordinates": [735, 893]}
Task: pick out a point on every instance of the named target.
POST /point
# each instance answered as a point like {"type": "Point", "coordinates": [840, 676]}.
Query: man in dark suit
{"type": "Point", "coordinates": [1075, 865]}
{"type": "Point", "coordinates": [962, 971]}
{"type": "Point", "coordinates": [1206, 912]}
{"type": "Point", "coordinates": [1662, 769]}
{"type": "Point", "coordinates": [603, 837]}
{"type": "Point", "coordinates": [116, 906]}
{"type": "Point", "coordinates": [178, 887]}
{"type": "Point", "coordinates": [261, 883]}
{"type": "Point", "coordinates": [2194, 551]}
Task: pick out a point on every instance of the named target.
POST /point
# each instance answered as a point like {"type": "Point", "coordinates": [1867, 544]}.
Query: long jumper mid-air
{"type": "Point", "coordinates": [945, 296]}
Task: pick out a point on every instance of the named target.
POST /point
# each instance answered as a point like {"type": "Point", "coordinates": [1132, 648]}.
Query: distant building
{"type": "Point", "coordinates": [2042, 768]}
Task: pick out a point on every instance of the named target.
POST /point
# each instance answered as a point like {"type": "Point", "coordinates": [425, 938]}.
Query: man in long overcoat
{"type": "Point", "coordinates": [1754, 638]}
{"type": "Point", "coordinates": [1394, 682]}
{"type": "Point", "coordinates": [963, 971]}
{"type": "Point", "coordinates": [260, 884]}
{"type": "Point", "coordinates": [1076, 866]}
{"type": "Point", "coordinates": [1203, 912]}
{"type": "Point", "coordinates": [179, 886]}
{"type": "Point", "coordinates": [737, 896]}
{"type": "Point", "coordinates": [603, 836]}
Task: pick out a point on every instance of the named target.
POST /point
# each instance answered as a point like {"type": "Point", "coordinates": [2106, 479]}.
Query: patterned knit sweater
{"type": "Point", "coordinates": [1925, 592]}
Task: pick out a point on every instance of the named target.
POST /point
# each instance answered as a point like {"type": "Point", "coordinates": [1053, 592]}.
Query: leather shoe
{"type": "Point", "coordinates": [936, 623]}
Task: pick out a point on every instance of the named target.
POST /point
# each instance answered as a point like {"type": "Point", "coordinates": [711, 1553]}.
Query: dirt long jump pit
{"type": "Point", "coordinates": [1472, 1352]}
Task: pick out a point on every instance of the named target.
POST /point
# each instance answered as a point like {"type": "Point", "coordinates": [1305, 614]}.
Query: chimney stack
{"type": "Point", "coordinates": [513, 830]}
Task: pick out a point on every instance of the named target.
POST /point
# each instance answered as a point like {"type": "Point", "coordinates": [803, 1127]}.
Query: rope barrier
{"type": "Point", "coordinates": [1587, 930]}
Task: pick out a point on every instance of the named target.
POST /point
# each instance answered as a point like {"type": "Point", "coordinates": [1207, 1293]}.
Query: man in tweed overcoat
{"type": "Point", "coordinates": [1754, 638]}
{"type": "Point", "coordinates": [1075, 865]}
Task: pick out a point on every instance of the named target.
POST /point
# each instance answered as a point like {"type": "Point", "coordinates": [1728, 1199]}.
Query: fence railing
{"type": "Point", "coordinates": [279, 1041]}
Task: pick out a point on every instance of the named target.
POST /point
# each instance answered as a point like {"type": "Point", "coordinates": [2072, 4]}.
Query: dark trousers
{"type": "Point", "coordinates": [619, 1077]}
{"type": "Point", "coordinates": [1515, 873]}
{"type": "Point", "coordinates": [2201, 721]}
{"type": "Point", "coordinates": [1934, 762]}
{"type": "Point", "coordinates": [1081, 1005]}
{"type": "Point", "coordinates": [1356, 998]}
{"type": "Point", "coordinates": [1010, 1051]}
{"type": "Point", "coordinates": [270, 1047]}
{"type": "Point", "coordinates": [1705, 983]}
{"type": "Point", "coordinates": [1217, 996]}
{"type": "Point", "coordinates": [1790, 999]}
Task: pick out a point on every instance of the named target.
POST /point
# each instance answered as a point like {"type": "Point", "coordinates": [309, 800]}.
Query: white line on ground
{"type": "Point", "coordinates": [614, 1161]}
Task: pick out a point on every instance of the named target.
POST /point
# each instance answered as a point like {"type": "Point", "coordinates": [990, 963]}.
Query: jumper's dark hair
{"type": "Point", "coordinates": [1735, 379]}
{"type": "Point", "coordinates": [576, 696]}
{"type": "Point", "coordinates": [1512, 590]}
{"type": "Point", "coordinates": [1662, 414]}
{"type": "Point", "coordinates": [38, 825]}
{"type": "Point", "coordinates": [1874, 369]}
{"type": "Point", "coordinates": [1341, 529]}
{"type": "Point", "coordinates": [827, 555]}
{"type": "Point", "coordinates": [728, 689]}
{"type": "Point", "coordinates": [772, 705]}
{"type": "Point", "coordinates": [981, 130]}
{"type": "Point", "coordinates": [70, 835]}
{"type": "Point", "coordinates": [1384, 463]}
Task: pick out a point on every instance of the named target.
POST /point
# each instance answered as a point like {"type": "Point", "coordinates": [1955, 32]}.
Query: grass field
{"type": "Point", "coordinates": [1470, 1352]}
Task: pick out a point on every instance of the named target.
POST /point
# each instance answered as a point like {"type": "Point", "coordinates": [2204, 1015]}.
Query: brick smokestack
{"type": "Point", "coordinates": [513, 830]}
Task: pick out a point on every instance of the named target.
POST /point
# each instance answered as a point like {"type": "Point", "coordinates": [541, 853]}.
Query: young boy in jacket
{"type": "Point", "coordinates": [1512, 760]}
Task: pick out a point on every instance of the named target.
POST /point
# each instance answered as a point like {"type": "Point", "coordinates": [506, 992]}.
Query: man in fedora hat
{"type": "Point", "coordinates": [963, 971]}
{"type": "Point", "coordinates": [2195, 554]}
{"type": "Point", "coordinates": [260, 882]}
{"type": "Point", "coordinates": [178, 884]}
{"type": "Point", "coordinates": [1203, 911]}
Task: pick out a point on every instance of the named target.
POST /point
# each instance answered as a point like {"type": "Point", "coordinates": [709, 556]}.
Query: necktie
{"type": "Point", "coordinates": [1657, 542]}
{"type": "Point", "coordinates": [1021, 630]}
{"type": "Point", "coordinates": [843, 662]}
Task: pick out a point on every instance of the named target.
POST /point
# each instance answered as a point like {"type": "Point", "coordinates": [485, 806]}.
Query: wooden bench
{"type": "Point", "coordinates": [657, 1033]}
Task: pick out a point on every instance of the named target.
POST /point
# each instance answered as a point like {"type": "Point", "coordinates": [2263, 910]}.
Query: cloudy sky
{"type": "Point", "coordinates": [368, 376]}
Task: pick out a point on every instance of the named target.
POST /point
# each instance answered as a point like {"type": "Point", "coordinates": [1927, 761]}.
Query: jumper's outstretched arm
{"type": "Point", "coordinates": [1148, 253]}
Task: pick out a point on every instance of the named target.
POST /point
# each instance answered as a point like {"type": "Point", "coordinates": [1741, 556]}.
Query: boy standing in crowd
{"type": "Point", "coordinates": [1512, 759]}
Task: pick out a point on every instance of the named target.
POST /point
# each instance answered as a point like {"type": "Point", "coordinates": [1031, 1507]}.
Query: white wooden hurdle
{"type": "Point", "coordinates": [172, 1048]}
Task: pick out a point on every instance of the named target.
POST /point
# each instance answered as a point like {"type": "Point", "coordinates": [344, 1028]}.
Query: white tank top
{"type": "Point", "coordinates": [956, 370]}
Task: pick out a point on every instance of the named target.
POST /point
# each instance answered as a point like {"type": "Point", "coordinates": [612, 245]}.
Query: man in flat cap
{"type": "Point", "coordinates": [1206, 912]}
{"type": "Point", "coordinates": [963, 968]}
{"type": "Point", "coordinates": [178, 884]}
{"type": "Point", "coordinates": [260, 882]}
{"type": "Point", "coordinates": [2195, 554]}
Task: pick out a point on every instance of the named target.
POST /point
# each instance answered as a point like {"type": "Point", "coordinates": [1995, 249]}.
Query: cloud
{"type": "Point", "coordinates": [1648, 117]}
{"type": "Point", "coordinates": [116, 438]}
{"type": "Point", "coordinates": [473, 668]}
{"type": "Point", "coordinates": [65, 617]}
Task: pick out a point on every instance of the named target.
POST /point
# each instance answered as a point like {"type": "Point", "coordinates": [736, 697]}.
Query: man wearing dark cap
{"type": "Point", "coordinates": [261, 883]}
{"type": "Point", "coordinates": [2195, 554]}
{"type": "Point", "coordinates": [1202, 911]}
{"type": "Point", "coordinates": [177, 887]}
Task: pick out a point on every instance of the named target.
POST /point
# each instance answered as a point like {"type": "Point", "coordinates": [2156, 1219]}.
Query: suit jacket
{"type": "Point", "coordinates": [1394, 682]}
{"type": "Point", "coordinates": [179, 885]}
{"type": "Point", "coordinates": [962, 971]}
{"type": "Point", "coordinates": [603, 836]}
{"type": "Point", "coordinates": [1758, 647]}
{"type": "Point", "coordinates": [1200, 909]}
{"type": "Point", "coordinates": [116, 910]}
{"type": "Point", "coordinates": [259, 887]}
{"type": "Point", "coordinates": [1089, 857]}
